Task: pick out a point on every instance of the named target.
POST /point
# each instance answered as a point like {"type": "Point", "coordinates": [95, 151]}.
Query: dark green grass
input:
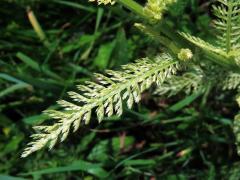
{"type": "Point", "coordinates": [177, 138]}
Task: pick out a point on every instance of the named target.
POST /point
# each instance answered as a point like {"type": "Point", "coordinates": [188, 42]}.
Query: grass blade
{"type": "Point", "coordinates": [94, 169]}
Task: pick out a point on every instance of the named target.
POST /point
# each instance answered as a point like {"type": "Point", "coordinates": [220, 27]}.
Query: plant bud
{"type": "Point", "coordinates": [154, 8]}
{"type": "Point", "coordinates": [185, 54]}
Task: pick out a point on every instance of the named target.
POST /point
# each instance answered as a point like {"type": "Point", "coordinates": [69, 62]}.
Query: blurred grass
{"type": "Point", "coordinates": [60, 45]}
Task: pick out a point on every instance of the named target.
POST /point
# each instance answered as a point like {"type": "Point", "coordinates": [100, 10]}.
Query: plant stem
{"type": "Point", "coordinates": [180, 41]}
{"type": "Point", "coordinates": [162, 39]}
{"type": "Point", "coordinates": [37, 27]}
{"type": "Point", "coordinates": [229, 27]}
{"type": "Point", "coordinates": [133, 6]}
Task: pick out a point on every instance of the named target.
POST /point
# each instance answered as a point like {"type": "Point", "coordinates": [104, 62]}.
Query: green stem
{"type": "Point", "coordinates": [133, 6]}
{"type": "Point", "coordinates": [173, 36]}
{"type": "Point", "coordinates": [156, 35]}
{"type": "Point", "coordinates": [229, 28]}
{"type": "Point", "coordinates": [139, 10]}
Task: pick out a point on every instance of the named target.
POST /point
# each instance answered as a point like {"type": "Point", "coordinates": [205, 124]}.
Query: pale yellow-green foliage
{"type": "Point", "coordinates": [110, 92]}
{"type": "Point", "coordinates": [106, 97]}
{"type": "Point", "coordinates": [227, 25]}
{"type": "Point", "coordinates": [105, 2]}
{"type": "Point", "coordinates": [185, 54]}
{"type": "Point", "coordinates": [188, 82]}
{"type": "Point", "coordinates": [228, 30]}
{"type": "Point", "coordinates": [155, 8]}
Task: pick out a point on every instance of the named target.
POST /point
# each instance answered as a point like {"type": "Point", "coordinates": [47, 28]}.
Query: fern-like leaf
{"type": "Point", "coordinates": [231, 82]}
{"type": "Point", "coordinates": [203, 44]}
{"type": "Point", "coordinates": [228, 28]}
{"type": "Point", "coordinates": [227, 24]}
{"type": "Point", "coordinates": [105, 97]}
{"type": "Point", "coordinates": [187, 83]}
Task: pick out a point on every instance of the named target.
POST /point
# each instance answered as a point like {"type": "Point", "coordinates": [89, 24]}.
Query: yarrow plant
{"type": "Point", "coordinates": [154, 8]}
{"type": "Point", "coordinates": [105, 2]}
{"type": "Point", "coordinates": [189, 64]}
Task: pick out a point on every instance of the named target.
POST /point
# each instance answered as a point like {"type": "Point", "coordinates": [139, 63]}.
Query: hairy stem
{"type": "Point", "coordinates": [229, 28]}
{"type": "Point", "coordinates": [134, 7]}
{"type": "Point", "coordinates": [156, 35]}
